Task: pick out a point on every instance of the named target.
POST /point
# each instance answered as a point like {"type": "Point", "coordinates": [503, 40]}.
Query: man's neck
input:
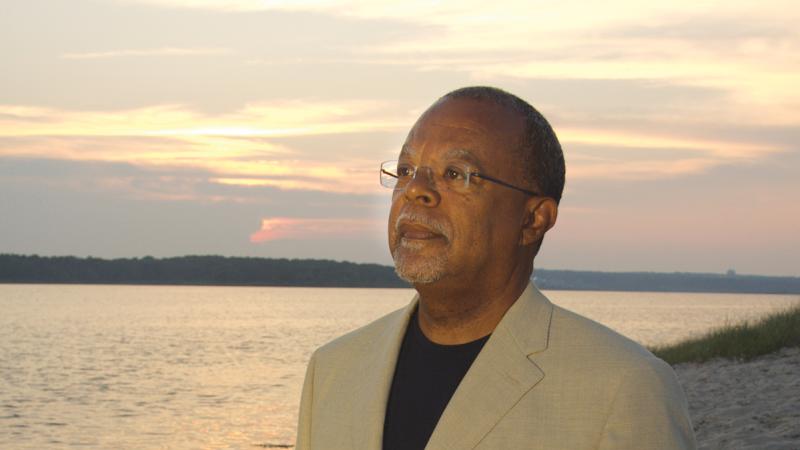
{"type": "Point", "coordinates": [455, 312]}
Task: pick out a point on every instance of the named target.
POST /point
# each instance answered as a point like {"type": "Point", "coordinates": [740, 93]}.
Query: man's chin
{"type": "Point", "coordinates": [419, 268]}
{"type": "Point", "coordinates": [417, 277]}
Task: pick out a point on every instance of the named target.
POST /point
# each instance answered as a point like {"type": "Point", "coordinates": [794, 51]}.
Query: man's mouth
{"type": "Point", "coordinates": [417, 232]}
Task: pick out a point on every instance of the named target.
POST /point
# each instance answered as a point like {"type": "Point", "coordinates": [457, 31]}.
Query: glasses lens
{"type": "Point", "coordinates": [456, 177]}
{"type": "Point", "coordinates": [395, 174]}
{"type": "Point", "coordinates": [389, 174]}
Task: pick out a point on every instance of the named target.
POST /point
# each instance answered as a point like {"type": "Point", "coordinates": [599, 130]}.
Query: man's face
{"type": "Point", "coordinates": [438, 233]}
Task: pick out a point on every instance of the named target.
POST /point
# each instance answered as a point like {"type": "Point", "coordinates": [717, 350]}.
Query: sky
{"type": "Point", "coordinates": [256, 128]}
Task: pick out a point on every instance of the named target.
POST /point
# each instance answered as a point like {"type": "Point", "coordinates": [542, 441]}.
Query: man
{"type": "Point", "coordinates": [480, 359]}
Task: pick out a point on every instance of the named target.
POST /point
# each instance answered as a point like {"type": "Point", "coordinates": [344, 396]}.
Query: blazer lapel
{"type": "Point", "coordinates": [500, 375]}
{"type": "Point", "coordinates": [375, 381]}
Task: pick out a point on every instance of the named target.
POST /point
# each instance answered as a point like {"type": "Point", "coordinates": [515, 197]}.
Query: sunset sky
{"type": "Point", "coordinates": [256, 128]}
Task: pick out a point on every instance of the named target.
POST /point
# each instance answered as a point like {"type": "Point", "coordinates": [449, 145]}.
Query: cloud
{"type": "Point", "coordinates": [82, 208]}
{"type": "Point", "coordinates": [746, 50]}
{"type": "Point", "coordinates": [626, 154]}
{"type": "Point", "coordinates": [194, 56]}
{"type": "Point", "coordinates": [166, 184]}
{"type": "Point", "coordinates": [235, 147]}
{"type": "Point", "coordinates": [665, 99]}
{"type": "Point", "coordinates": [317, 146]}
{"type": "Point", "coordinates": [721, 27]}
{"type": "Point", "coordinates": [279, 228]}
{"type": "Point", "coordinates": [275, 118]}
{"type": "Point", "coordinates": [679, 144]}
{"type": "Point", "coordinates": [165, 51]}
{"type": "Point", "coordinates": [218, 5]}
{"type": "Point", "coordinates": [642, 170]}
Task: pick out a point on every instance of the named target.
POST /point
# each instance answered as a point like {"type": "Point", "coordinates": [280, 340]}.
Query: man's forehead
{"type": "Point", "coordinates": [463, 153]}
{"type": "Point", "coordinates": [467, 115]}
{"type": "Point", "coordinates": [461, 127]}
{"type": "Point", "coordinates": [470, 117]}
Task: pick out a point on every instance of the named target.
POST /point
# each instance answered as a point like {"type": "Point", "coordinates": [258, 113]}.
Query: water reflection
{"type": "Point", "coordinates": [221, 367]}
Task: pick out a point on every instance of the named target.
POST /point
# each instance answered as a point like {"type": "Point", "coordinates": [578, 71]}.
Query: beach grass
{"type": "Point", "coordinates": [743, 341]}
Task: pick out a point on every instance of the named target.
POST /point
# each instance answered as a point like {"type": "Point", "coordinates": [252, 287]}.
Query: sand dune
{"type": "Point", "coordinates": [745, 405]}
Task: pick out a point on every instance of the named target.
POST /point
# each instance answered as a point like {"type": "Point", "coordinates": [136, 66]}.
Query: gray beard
{"type": "Point", "coordinates": [425, 271]}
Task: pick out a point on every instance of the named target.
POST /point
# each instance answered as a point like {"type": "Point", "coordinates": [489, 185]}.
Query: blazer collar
{"type": "Point", "coordinates": [375, 380]}
{"type": "Point", "coordinates": [501, 374]}
{"type": "Point", "coordinates": [528, 320]}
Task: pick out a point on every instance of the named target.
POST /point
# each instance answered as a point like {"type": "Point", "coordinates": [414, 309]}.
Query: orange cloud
{"type": "Point", "coordinates": [277, 228]}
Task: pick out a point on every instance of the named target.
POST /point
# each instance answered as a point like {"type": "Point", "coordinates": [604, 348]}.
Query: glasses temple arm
{"type": "Point", "coordinates": [501, 182]}
{"type": "Point", "coordinates": [388, 173]}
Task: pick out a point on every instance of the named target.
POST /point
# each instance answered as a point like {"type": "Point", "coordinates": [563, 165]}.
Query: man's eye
{"type": "Point", "coordinates": [451, 173]}
{"type": "Point", "coordinates": [404, 171]}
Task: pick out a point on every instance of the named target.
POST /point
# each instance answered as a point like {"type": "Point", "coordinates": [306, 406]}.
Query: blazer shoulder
{"type": "Point", "coordinates": [582, 352]}
{"type": "Point", "coordinates": [573, 334]}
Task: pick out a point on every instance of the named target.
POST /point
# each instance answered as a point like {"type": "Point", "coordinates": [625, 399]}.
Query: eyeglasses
{"type": "Point", "coordinates": [397, 175]}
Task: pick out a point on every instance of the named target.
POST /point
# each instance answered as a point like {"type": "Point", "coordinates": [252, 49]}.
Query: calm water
{"type": "Point", "coordinates": [152, 367]}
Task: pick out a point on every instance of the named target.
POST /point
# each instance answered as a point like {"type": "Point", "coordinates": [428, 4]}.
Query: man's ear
{"type": "Point", "coordinates": [540, 216]}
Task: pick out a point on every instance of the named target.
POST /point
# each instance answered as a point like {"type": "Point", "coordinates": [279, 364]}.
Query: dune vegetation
{"type": "Point", "coordinates": [743, 341]}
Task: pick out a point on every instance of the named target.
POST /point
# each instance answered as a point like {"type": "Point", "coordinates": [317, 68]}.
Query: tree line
{"type": "Point", "coordinates": [202, 270]}
{"type": "Point", "coordinates": [242, 271]}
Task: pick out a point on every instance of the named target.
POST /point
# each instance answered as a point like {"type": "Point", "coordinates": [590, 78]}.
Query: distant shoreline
{"type": "Point", "coordinates": [80, 283]}
{"type": "Point", "coordinates": [259, 272]}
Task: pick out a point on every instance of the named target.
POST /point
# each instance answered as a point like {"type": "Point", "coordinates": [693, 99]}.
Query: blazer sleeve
{"type": "Point", "coordinates": [649, 411]}
{"type": "Point", "coordinates": [306, 402]}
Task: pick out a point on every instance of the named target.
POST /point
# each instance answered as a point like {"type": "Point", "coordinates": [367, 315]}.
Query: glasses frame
{"type": "Point", "coordinates": [469, 174]}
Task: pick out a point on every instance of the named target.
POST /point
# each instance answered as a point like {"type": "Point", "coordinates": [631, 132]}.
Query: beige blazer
{"type": "Point", "coordinates": [546, 379]}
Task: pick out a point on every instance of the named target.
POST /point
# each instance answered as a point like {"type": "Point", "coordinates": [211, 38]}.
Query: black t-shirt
{"type": "Point", "coordinates": [426, 376]}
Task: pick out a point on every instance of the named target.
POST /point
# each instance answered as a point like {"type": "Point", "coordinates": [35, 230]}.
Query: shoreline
{"type": "Point", "coordinates": [314, 286]}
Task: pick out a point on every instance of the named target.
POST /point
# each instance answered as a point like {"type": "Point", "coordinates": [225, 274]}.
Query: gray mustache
{"type": "Point", "coordinates": [436, 226]}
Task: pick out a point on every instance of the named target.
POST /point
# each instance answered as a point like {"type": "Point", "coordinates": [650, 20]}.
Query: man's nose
{"type": "Point", "coordinates": [421, 188]}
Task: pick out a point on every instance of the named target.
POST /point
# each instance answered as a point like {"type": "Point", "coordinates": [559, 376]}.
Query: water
{"type": "Point", "coordinates": [173, 367]}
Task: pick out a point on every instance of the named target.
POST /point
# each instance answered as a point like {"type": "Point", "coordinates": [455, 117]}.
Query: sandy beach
{"type": "Point", "coordinates": [745, 405]}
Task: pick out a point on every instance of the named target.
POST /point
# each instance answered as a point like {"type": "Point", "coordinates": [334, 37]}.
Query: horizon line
{"type": "Point", "coordinates": [729, 273]}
